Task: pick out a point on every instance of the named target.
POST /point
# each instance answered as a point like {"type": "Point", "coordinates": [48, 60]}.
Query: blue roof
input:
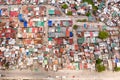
{"type": "Point", "coordinates": [0, 12]}
{"type": "Point", "coordinates": [71, 34]}
{"type": "Point", "coordinates": [85, 25]}
{"type": "Point", "coordinates": [116, 60]}
{"type": "Point", "coordinates": [20, 18]}
{"type": "Point", "coordinates": [50, 23]}
{"type": "Point", "coordinates": [25, 23]}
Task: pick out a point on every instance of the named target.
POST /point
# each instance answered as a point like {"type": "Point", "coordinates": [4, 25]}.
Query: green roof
{"type": "Point", "coordinates": [90, 18]}
{"type": "Point", "coordinates": [39, 23]}
{"type": "Point", "coordinates": [81, 40]}
{"type": "Point", "coordinates": [101, 5]}
{"type": "Point", "coordinates": [118, 14]}
{"type": "Point", "coordinates": [28, 30]}
{"type": "Point", "coordinates": [66, 23]}
{"type": "Point", "coordinates": [58, 29]}
{"type": "Point", "coordinates": [29, 8]}
{"type": "Point", "coordinates": [51, 12]}
{"type": "Point", "coordinates": [31, 49]}
{"type": "Point", "coordinates": [76, 65]}
{"type": "Point", "coordinates": [95, 41]}
{"type": "Point", "coordinates": [113, 45]}
{"type": "Point", "coordinates": [50, 39]}
{"type": "Point", "coordinates": [114, 14]}
{"type": "Point", "coordinates": [104, 27]}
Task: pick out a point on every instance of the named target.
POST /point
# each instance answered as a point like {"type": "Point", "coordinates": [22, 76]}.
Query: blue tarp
{"type": "Point", "coordinates": [27, 53]}
{"type": "Point", "coordinates": [71, 34]}
{"type": "Point", "coordinates": [25, 23]}
{"type": "Point", "coordinates": [85, 25]}
{"type": "Point", "coordinates": [0, 12]}
{"type": "Point", "coordinates": [20, 18]}
{"type": "Point", "coordinates": [116, 60]}
{"type": "Point", "coordinates": [49, 23]}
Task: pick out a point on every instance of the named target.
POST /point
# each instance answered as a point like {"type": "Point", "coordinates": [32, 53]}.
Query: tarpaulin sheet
{"type": "Point", "coordinates": [71, 34]}
{"type": "Point", "coordinates": [25, 24]}
{"type": "Point", "coordinates": [0, 12]}
{"type": "Point", "coordinates": [49, 23]}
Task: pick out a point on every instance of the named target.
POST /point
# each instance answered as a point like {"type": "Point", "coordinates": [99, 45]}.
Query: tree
{"type": "Point", "coordinates": [98, 61]}
{"type": "Point", "coordinates": [88, 14]}
{"type": "Point", "coordinates": [99, 67]}
{"type": "Point", "coordinates": [117, 69]}
{"type": "Point", "coordinates": [103, 35]}
{"type": "Point", "coordinates": [7, 65]}
{"type": "Point", "coordinates": [69, 13]}
{"type": "Point", "coordinates": [75, 27]}
{"type": "Point", "coordinates": [83, 20]}
{"type": "Point", "coordinates": [64, 6]}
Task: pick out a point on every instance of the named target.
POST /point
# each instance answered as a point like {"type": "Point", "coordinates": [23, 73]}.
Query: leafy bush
{"type": "Point", "coordinates": [84, 20]}
{"type": "Point", "coordinates": [95, 8]}
{"type": "Point", "coordinates": [98, 61]}
{"type": "Point", "coordinates": [117, 69]}
{"type": "Point", "coordinates": [75, 27]}
{"type": "Point", "coordinates": [100, 67]}
{"type": "Point", "coordinates": [69, 13]}
{"type": "Point", "coordinates": [88, 14]}
{"type": "Point", "coordinates": [103, 35]}
{"type": "Point", "coordinates": [64, 6]}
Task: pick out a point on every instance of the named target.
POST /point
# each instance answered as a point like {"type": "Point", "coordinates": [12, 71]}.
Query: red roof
{"type": "Point", "coordinates": [13, 13]}
{"type": "Point", "coordinates": [27, 41]}
{"type": "Point", "coordinates": [72, 5]}
{"type": "Point", "coordinates": [71, 41]}
{"type": "Point", "coordinates": [71, 53]}
{"type": "Point", "coordinates": [67, 33]}
{"type": "Point", "coordinates": [18, 1]}
{"type": "Point", "coordinates": [76, 47]}
{"type": "Point", "coordinates": [8, 35]}
{"type": "Point", "coordinates": [57, 12]}
{"type": "Point", "coordinates": [59, 41]}
{"type": "Point", "coordinates": [34, 30]}
{"type": "Point", "coordinates": [41, 29]}
{"type": "Point", "coordinates": [61, 50]}
{"type": "Point", "coordinates": [49, 46]}
{"type": "Point", "coordinates": [0, 35]}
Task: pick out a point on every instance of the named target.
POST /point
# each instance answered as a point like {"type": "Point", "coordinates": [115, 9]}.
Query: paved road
{"type": "Point", "coordinates": [64, 74]}
{"type": "Point", "coordinates": [25, 74]}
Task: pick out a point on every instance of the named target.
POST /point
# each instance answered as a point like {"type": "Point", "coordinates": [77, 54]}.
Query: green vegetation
{"type": "Point", "coordinates": [83, 20]}
{"type": "Point", "coordinates": [95, 8]}
{"type": "Point", "coordinates": [117, 69]}
{"type": "Point", "coordinates": [99, 67]}
{"type": "Point", "coordinates": [64, 6]}
{"type": "Point", "coordinates": [89, 1]}
{"type": "Point", "coordinates": [69, 13]}
{"type": "Point", "coordinates": [88, 14]}
{"type": "Point", "coordinates": [98, 61]}
{"type": "Point", "coordinates": [75, 27]}
{"type": "Point", "coordinates": [7, 65]}
{"type": "Point", "coordinates": [103, 35]}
